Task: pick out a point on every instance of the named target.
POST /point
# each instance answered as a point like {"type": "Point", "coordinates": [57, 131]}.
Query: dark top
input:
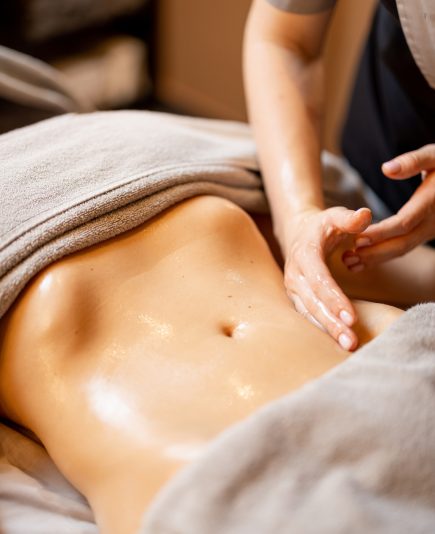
{"type": "Point", "coordinates": [392, 109]}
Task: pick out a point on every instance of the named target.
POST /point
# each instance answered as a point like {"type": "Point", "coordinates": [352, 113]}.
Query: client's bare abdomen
{"type": "Point", "coordinates": [127, 358]}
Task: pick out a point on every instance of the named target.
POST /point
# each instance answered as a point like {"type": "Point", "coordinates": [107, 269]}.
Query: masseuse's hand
{"type": "Point", "coordinates": [310, 238]}
{"type": "Point", "coordinates": [412, 225]}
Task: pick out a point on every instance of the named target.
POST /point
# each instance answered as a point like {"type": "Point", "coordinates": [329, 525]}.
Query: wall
{"type": "Point", "coordinates": [198, 62]}
{"type": "Point", "coordinates": [343, 47]}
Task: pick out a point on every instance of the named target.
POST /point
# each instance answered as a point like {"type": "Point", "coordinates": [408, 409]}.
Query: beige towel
{"type": "Point", "coordinates": [73, 181]}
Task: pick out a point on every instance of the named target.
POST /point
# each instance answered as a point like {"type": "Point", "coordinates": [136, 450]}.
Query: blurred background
{"type": "Point", "coordinates": [181, 56]}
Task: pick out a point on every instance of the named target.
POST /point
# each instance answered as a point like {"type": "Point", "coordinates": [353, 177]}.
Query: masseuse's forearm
{"type": "Point", "coordinates": [284, 92]}
{"type": "Point", "coordinates": [283, 78]}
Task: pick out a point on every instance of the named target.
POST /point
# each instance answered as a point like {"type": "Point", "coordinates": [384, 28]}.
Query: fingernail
{"type": "Point", "coordinates": [345, 341]}
{"type": "Point", "coordinates": [357, 268]}
{"type": "Point", "coordinates": [363, 242]}
{"type": "Point", "coordinates": [351, 260]}
{"type": "Point", "coordinates": [346, 317]}
{"type": "Point", "coordinates": [392, 166]}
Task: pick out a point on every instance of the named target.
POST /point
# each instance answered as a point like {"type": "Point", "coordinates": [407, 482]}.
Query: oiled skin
{"type": "Point", "coordinates": [127, 358]}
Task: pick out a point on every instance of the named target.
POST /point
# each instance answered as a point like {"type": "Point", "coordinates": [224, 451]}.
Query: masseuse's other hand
{"type": "Point", "coordinates": [310, 238]}
{"type": "Point", "coordinates": [412, 225]}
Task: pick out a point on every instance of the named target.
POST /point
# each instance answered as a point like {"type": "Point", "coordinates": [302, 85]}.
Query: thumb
{"type": "Point", "coordinates": [410, 163]}
{"type": "Point", "coordinates": [349, 221]}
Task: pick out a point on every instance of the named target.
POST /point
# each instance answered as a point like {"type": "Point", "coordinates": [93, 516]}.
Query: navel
{"type": "Point", "coordinates": [234, 329]}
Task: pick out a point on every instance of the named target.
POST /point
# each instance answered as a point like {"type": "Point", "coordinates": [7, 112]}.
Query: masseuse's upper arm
{"type": "Point", "coordinates": [298, 25]}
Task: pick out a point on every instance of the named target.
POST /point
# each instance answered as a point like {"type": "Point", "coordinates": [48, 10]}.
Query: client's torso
{"type": "Point", "coordinates": [127, 358]}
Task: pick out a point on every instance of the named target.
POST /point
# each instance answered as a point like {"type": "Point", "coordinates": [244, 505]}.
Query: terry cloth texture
{"type": "Point", "coordinates": [352, 452]}
{"type": "Point", "coordinates": [75, 180]}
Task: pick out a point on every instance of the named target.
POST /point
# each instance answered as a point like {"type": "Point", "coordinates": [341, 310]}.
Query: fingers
{"type": "Point", "coordinates": [307, 279]}
{"type": "Point", "coordinates": [302, 310]}
{"type": "Point", "coordinates": [410, 163]}
{"type": "Point", "coordinates": [394, 226]}
{"type": "Point", "coordinates": [317, 296]}
{"type": "Point", "coordinates": [364, 257]}
{"type": "Point", "coordinates": [404, 222]}
{"type": "Point", "coordinates": [348, 221]}
{"type": "Point", "coordinates": [319, 313]}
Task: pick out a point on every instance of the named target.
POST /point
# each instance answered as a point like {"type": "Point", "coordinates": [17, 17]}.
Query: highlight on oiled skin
{"type": "Point", "coordinates": [127, 358]}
